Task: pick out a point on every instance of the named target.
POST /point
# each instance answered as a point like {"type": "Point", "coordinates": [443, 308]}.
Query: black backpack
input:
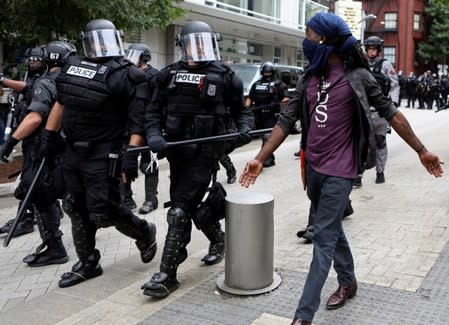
{"type": "Point", "coordinates": [381, 79]}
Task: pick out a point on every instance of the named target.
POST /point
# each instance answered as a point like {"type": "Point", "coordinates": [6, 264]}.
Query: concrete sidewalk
{"type": "Point", "coordinates": [399, 237]}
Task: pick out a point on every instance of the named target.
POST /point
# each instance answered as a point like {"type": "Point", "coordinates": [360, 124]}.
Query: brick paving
{"type": "Point", "coordinates": [399, 236]}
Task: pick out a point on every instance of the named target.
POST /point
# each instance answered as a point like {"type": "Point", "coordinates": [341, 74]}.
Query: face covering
{"type": "Point", "coordinates": [317, 54]}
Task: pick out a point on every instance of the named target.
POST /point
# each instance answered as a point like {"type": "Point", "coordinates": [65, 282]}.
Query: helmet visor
{"type": "Point", "coordinates": [102, 43]}
{"type": "Point", "coordinates": [133, 56]}
{"type": "Point", "coordinates": [199, 47]}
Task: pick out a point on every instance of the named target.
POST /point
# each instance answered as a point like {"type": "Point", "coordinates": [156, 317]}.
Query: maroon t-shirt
{"type": "Point", "coordinates": [331, 147]}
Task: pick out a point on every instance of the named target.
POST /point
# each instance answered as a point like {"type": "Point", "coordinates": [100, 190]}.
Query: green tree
{"type": "Point", "coordinates": [34, 22]}
{"type": "Point", "coordinates": [436, 48]}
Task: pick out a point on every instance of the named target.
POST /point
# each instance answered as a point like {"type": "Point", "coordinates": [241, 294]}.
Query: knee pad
{"type": "Point", "coordinates": [381, 141]}
{"type": "Point", "coordinates": [70, 208]}
{"type": "Point", "coordinates": [177, 217]}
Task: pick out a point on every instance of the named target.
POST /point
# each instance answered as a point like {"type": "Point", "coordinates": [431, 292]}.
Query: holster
{"type": "Point", "coordinates": [213, 208]}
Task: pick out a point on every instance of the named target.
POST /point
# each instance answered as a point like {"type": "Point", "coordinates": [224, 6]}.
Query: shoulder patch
{"type": "Point", "coordinates": [37, 91]}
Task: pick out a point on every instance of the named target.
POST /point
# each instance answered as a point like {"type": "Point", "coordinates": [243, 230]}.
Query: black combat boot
{"type": "Point", "coordinates": [25, 226]}
{"type": "Point", "coordinates": [147, 207]}
{"type": "Point", "coordinates": [160, 285]}
{"type": "Point", "coordinates": [148, 245]}
{"type": "Point", "coordinates": [217, 243]}
{"type": "Point", "coordinates": [164, 282]}
{"type": "Point", "coordinates": [82, 271]}
{"type": "Point", "coordinates": [380, 178]}
{"type": "Point", "coordinates": [269, 162]}
{"type": "Point", "coordinates": [54, 254]}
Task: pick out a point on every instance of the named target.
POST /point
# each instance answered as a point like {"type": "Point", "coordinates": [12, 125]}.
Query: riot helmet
{"type": "Point", "coordinates": [267, 70]}
{"type": "Point", "coordinates": [374, 41]}
{"type": "Point", "coordinates": [139, 53]}
{"type": "Point", "coordinates": [198, 43]}
{"type": "Point", "coordinates": [56, 53]}
{"type": "Point", "coordinates": [101, 39]}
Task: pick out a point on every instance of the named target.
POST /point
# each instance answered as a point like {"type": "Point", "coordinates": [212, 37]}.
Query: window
{"type": "Point", "coordinates": [299, 58]}
{"type": "Point", "coordinates": [390, 54]}
{"type": "Point", "coordinates": [416, 22]}
{"type": "Point", "coordinates": [391, 20]}
{"type": "Point", "coordinates": [277, 54]}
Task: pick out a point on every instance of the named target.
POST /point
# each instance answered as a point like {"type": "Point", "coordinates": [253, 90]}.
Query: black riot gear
{"type": "Point", "coordinates": [193, 98]}
{"type": "Point", "coordinates": [139, 53]}
{"type": "Point", "coordinates": [101, 39]}
{"type": "Point", "coordinates": [104, 100]}
{"type": "Point", "coordinates": [374, 41]}
{"type": "Point", "coordinates": [56, 53]}
{"type": "Point", "coordinates": [198, 43]}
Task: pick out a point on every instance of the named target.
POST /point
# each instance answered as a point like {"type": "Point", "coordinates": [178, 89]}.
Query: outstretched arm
{"type": "Point", "coordinates": [429, 160]}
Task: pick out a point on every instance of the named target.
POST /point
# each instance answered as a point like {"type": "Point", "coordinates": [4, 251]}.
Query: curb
{"type": "Point", "coordinates": [5, 189]}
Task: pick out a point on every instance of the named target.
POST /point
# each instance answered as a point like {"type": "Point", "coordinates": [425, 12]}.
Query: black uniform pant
{"type": "Point", "coordinates": [46, 207]}
{"type": "Point", "coordinates": [95, 201]}
{"type": "Point", "coordinates": [191, 171]}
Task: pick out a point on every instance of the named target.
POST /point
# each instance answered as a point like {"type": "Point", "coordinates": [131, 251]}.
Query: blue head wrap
{"type": "Point", "coordinates": [338, 38]}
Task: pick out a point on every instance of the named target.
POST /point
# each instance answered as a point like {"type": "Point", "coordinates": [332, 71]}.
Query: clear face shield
{"type": "Point", "coordinates": [199, 47]}
{"type": "Point", "coordinates": [133, 56]}
{"type": "Point", "coordinates": [102, 43]}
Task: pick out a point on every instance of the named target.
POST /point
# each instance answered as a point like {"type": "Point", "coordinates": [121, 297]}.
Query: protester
{"type": "Point", "coordinates": [333, 102]}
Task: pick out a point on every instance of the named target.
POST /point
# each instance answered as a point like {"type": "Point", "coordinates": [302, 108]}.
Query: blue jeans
{"type": "Point", "coordinates": [329, 196]}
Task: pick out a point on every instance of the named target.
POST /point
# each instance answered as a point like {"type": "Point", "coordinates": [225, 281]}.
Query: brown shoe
{"type": "Point", "coordinates": [297, 321]}
{"type": "Point", "coordinates": [339, 297]}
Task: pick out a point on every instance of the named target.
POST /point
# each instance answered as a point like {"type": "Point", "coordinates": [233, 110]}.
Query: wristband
{"type": "Point", "coordinates": [418, 151]}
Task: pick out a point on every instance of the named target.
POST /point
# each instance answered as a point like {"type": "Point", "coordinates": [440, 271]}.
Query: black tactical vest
{"type": "Point", "coordinates": [87, 99]}
{"type": "Point", "coordinates": [263, 92]}
{"type": "Point", "coordinates": [195, 100]}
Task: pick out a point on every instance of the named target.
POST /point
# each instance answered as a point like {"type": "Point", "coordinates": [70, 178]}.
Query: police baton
{"type": "Point", "coordinates": [215, 138]}
{"type": "Point", "coordinates": [23, 207]}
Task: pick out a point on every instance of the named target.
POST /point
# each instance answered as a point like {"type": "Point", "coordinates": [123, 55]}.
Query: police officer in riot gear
{"type": "Point", "coordinates": [99, 97]}
{"type": "Point", "coordinates": [140, 55]}
{"type": "Point", "coordinates": [21, 94]}
{"type": "Point", "coordinates": [373, 48]}
{"type": "Point", "coordinates": [265, 97]}
{"type": "Point", "coordinates": [45, 200]}
{"type": "Point", "coordinates": [190, 101]}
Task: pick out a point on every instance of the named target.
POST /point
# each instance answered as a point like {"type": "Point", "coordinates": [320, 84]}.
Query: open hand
{"type": "Point", "coordinates": [432, 163]}
{"type": "Point", "coordinates": [252, 169]}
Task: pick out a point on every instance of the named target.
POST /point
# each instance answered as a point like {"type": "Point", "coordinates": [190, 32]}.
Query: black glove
{"type": "Point", "coordinates": [6, 149]}
{"type": "Point", "coordinates": [243, 138]}
{"type": "Point", "coordinates": [47, 146]}
{"type": "Point", "coordinates": [156, 143]}
{"type": "Point", "coordinates": [130, 165]}
{"type": "Point", "coordinates": [396, 104]}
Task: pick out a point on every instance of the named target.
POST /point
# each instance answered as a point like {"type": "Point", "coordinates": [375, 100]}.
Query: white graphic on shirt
{"type": "Point", "coordinates": [321, 109]}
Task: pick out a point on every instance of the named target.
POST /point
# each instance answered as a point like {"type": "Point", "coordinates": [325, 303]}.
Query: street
{"type": "Point", "coordinates": [398, 234]}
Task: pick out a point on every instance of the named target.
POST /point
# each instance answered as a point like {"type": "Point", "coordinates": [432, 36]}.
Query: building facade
{"type": "Point", "coordinates": [252, 31]}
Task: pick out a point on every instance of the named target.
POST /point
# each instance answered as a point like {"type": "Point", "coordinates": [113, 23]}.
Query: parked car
{"type": "Point", "coordinates": [250, 73]}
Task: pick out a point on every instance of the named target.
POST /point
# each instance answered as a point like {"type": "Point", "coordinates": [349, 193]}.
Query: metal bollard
{"type": "Point", "coordinates": [249, 245]}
